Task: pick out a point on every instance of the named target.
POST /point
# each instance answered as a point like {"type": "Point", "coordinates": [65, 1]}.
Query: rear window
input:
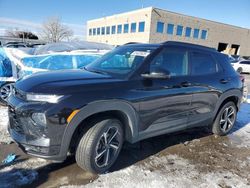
{"type": "Point", "coordinates": [203, 63]}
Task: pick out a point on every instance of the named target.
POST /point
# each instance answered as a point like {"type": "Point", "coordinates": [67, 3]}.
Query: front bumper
{"type": "Point", "coordinates": [33, 139]}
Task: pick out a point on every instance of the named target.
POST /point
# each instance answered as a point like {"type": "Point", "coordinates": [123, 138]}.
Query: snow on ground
{"type": "Point", "coordinates": [22, 173]}
{"type": "Point", "coordinates": [166, 171]}
{"type": "Point", "coordinates": [242, 126]}
{"type": "Point", "coordinates": [4, 135]}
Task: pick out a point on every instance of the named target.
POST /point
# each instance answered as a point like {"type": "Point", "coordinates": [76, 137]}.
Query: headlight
{"type": "Point", "coordinates": [39, 118]}
{"type": "Point", "coordinates": [44, 98]}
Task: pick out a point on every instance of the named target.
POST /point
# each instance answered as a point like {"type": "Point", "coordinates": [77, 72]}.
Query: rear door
{"type": "Point", "coordinates": [206, 77]}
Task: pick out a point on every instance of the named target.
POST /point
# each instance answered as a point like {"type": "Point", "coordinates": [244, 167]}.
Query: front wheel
{"type": "Point", "coordinates": [100, 146]}
{"type": "Point", "coordinates": [225, 119]}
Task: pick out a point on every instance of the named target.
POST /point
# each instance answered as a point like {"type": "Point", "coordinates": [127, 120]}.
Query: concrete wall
{"type": "Point", "coordinates": [217, 32]}
{"type": "Point", "coordinates": [118, 39]}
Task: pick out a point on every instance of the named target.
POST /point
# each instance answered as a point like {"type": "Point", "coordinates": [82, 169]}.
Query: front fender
{"type": "Point", "coordinates": [98, 107]}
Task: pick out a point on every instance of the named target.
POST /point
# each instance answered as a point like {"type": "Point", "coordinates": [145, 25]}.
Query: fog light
{"type": "Point", "coordinates": [39, 118]}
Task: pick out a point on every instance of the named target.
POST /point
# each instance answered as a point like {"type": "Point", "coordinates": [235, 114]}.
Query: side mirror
{"type": "Point", "coordinates": [157, 74]}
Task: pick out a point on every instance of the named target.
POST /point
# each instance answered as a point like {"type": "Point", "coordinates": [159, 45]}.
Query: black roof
{"type": "Point", "coordinates": [174, 43]}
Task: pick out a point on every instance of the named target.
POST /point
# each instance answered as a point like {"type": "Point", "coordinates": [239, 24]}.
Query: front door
{"type": "Point", "coordinates": [166, 102]}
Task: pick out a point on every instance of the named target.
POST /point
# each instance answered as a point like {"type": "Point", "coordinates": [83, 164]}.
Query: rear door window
{"type": "Point", "coordinates": [203, 63]}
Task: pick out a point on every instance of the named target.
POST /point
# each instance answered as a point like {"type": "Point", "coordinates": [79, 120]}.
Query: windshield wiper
{"type": "Point", "coordinates": [95, 71]}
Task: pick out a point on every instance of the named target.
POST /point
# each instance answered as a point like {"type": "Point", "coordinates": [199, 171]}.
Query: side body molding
{"type": "Point", "coordinates": [102, 106]}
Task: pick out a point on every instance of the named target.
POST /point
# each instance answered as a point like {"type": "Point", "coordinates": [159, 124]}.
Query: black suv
{"type": "Point", "coordinates": [134, 92]}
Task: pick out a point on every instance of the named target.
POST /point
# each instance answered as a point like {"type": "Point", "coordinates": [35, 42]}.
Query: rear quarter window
{"type": "Point", "coordinates": [203, 64]}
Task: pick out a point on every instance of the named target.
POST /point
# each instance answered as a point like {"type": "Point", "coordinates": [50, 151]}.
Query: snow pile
{"type": "Point", "coordinates": [4, 120]}
{"type": "Point", "coordinates": [22, 173]}
{"type": "Point", "coordinates": [242, 127]}
{"type": "Point", "coordinates": [17, 177]}
{"type": "Point", "coordinates": [166, 171]}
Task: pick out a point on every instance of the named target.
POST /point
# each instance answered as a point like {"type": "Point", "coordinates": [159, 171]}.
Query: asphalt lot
{"type": "Point", "coordinates": [193, 158]}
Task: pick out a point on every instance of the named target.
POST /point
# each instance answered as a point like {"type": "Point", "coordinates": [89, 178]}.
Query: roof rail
{"type": "Point", "coordinates": [185, 44]}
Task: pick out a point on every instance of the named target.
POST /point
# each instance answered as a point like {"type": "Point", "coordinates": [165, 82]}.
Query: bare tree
{"type": "Point", "coordinates": [53, 30]}
{"type": "Point", "coordinates": [21, 34]}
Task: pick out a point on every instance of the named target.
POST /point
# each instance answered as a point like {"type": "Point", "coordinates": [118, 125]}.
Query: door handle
{"type": "Point", "coordinates": [224, 81]}
{"type": "Point", "coordinates": [185, 84]}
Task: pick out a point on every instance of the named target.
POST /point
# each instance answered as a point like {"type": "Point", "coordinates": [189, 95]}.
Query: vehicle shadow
{"type": "Point", "coordinates": [132, 153]}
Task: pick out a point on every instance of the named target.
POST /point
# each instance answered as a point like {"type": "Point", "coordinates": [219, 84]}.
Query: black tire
{"type": "Point", "coordinates": [221, 127]}
{"type": "Point", "coordinates": [239, 70]}
{"type": "Point", "coordinates": [92, 143]}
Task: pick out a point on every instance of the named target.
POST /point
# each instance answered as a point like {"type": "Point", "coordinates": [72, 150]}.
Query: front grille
{"type": "Point", "coordinates": [14, 122]}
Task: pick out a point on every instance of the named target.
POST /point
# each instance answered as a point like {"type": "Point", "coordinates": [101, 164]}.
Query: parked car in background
{"type": "Point", "coordinates": [23, 62]}
{"type": "Point", "coordinates": [15, 45]}
{"type": "Point", "coordinates": [6, 76]}
{"type": "Point", "coordinates": [242, 66]}
{"type": "Point", "coordinates": [57, 61]}
{"type": "Point", "coordinates": [132, 93]}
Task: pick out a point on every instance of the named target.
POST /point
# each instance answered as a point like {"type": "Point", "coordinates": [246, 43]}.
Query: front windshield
{"type": "Point", "coordinates": [121, 61]}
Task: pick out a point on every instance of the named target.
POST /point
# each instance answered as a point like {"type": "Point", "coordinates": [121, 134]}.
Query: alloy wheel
{"type": "Point", "coordinates": [227, 119]}
{"type": "Point", "coordinates": [107, 147]}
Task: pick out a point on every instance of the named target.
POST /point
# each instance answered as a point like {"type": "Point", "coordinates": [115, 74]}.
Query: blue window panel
{"type": "Point", "coordinates": [188, 32]}
{"type": "Point", "coordinates": [204, 34]}
{"type": "Point", "coordinates": [103, 30]}
{"type": "Point", "coordinates": [160, 27]}
{"type": "Point", "coordinates": [125, 28]}
{"type": "Point", "coordinates": [108, 30]}
{"type": "Point", "coordinates": [170, 29]}
{"type": "Point", "coordinates": [141, 26]}
{"type": "Point", "coordinates": [196, 33]}
{"type": "Point", "coordinates": [90, 32]}
{"type": "Point", "coordinates": [94, 31]}
{"type": "Point", "coordinates": [179, 30]}
{"type": "Point", "coordinates": [113, 29]}
{"type": "Point", "coordinates": [133, 28]}
{"type": "Point", "coordinates": [119, 29]}
{"type": "Point", "coordinates": [98, 31]}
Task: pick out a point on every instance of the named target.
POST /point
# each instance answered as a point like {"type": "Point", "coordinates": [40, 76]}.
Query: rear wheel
{"type": "Point", "coordinates": [225, 119]}
{"type": "Point", "coordinates": [5, 92]}
{"type": "Point", "coordinates": [100, 146]}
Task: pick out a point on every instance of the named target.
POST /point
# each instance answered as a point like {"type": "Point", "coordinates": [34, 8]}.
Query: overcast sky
{"type": "Point", "coordinates": [30, 14]}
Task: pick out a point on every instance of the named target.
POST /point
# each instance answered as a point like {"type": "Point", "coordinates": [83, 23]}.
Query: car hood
{"type": "Point", "coordinates": [58, 82]}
